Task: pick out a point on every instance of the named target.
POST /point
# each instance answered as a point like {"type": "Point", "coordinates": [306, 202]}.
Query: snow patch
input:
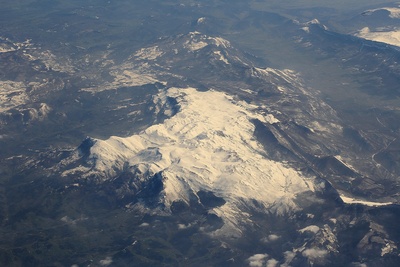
{"type": "Point", "coordinates": [316, 22]}
{"type": "Point", "coordinates": [198, 41]}
{"type": "Point", "coordinates": [350, 200]}
{"type": "Point", "coordinates": [306, 29]}
{"type": "Point", "coordinates": [6, 45]}
{"type": "Point", "coordinates": [394, 12]}
{"type": "Point", "coordinates": [221, 42]}
{"type": "Point", "coordinates": [388, 37]}
{"type": "Point", "coordinates": [271, 119]}
{"type": "Point", "coordinates": [201, 20]}
{"type": "Point", "coordinates": [52, 62]}
{"type": "Point", "coordinates": [12, 94]}
{"type": "Point", "coordinates": [4, 48]}
{"type": "Point", "coordinates": [339, 158]}
{"type": "Point", "coordinates": [221, 57]}
{"type": "Point", "coordinates": [194, 45]}
{"type": "Point", "coordinates": [388, 248]}
{"type": "Point", "coordinates": [149, 53]}
{"type": "Point", "coordinates": [125, 78]}
{"type": "Point", "coordinates": [248, 91]}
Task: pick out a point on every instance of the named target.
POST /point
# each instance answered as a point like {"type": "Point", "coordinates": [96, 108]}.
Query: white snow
{"type": "Point", "coordinates": [6, 48]}
{"type": "Point", "coordinates": [344, 162]}
{"type": "Point", "coordinates": [221, 57]}
{"type": "Point", "coordinates": [218, 41]}
{"type": "Point", "coordinates": [201, 20]}
{"type": "Point", "coordinates": [271, 119]}
{"type": "Point", "coordinates": [7, 45]}
{"type": "Point", "coordinates": [52, 62]}
{"type": "Point", "coordinates": [388, 248]}
{"type": "Point", "coordinates": [350, 200]}
{"type": "Point", "coordinates": [12, 94]}
{"type": "Point", "coordinates": [394, 12]}
{"type": "Point", "coordinates": [306, 29]}
{"type": "Point", "coordinates": [125, 77]}
{"type": "Point", "coordinates": [288, 75]}
{"type": "Point", "coordinates": [193, 45]}
{"type": "Point", "coordinates": [248, 91]}
{"type": "Point", "coordinates": [198, 41]}
{"type": "Point", "coordinates": [132, 78]}
{"type": "Point", "coordinates": [207, 145]}
{"type": "Point", "coordinates": [388, 37]}
{"type": "Point", "coordinates": [316, 22]}
{"type": "Point", "coordinates": [149, 53]}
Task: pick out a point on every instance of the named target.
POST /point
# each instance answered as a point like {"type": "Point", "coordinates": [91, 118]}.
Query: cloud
{"type": "Point", "coordinates": [272, 263]}
{"type": "Point", "coordinates": [106, 262]}
{"type": "Point", "coordinates": [312, 228]}
{"type": "Point", "coordinates": [144, 225]}
{"type": "Point", "coordinates": [358, 264]}
{"type": "Point", "coordinates": [315, 253]}
{"type": "Point", "coordinates": [183, 226]}
{"type": "Point", "coordinates": [257, 260]}
{"type": "Point", "coordinates": [289, 256]}
{"type": "Point", "coordinates": [270, 238]}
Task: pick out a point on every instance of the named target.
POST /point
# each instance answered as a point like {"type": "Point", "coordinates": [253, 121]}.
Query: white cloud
{"type": "Point", "coordinates": [270, 238]}
{"type": "Point", "coordinates": [312, 228]}
{"type": "Point", "coordinates": [289, 256]}
{"type": "Point", "coordinates": [273, 237]}
{"type": "Point", "coordinates": [272, 263]}
{"type": "Point", "coordinates": [257, 260]}
{"type": "Point", "coordinates": [315, 253]}
{"type": "Point", "coordinates": [183, 226]}
{"type": "Point", "coordinates": [106, 262]}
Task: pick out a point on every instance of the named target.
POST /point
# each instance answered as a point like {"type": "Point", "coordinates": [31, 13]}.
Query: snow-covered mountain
{"type": "Point", "coordinates": [380, 24]}
{"type": "Point", "coordinates": [208, 145]}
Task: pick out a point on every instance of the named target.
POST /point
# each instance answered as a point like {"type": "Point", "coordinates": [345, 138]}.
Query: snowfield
{"type": "Point", "coordinates": [388, 37]}
{"type": "Point", "coordinates": [350, 200]}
